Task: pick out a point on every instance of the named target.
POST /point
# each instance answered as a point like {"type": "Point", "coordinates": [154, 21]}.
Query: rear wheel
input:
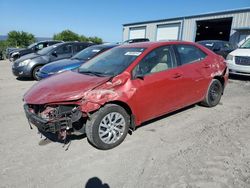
{"type": "Point", "coordinates": [108, 126]}
{"type": "Point", "coordinates": [214, 93]}
{"type": "Point", "coordinates": [35, 71]}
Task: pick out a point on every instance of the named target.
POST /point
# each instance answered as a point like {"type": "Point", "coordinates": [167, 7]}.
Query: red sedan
{"type": "Point", "coordinates": [125, 86]}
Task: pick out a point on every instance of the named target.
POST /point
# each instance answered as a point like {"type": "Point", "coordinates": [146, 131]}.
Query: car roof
{"type": "Point", "coordinates": [76, 42]}
{"type": "Point", "coordinates": [105, 45]}
{"type": "Point", "coordinates": [49, 41]}
{"type": "Point", "coordinates": [65, 43]}
{"type": "Point", "coordinates": [153, 44]}
{"type": "Point", "coordinates": [211, 41]}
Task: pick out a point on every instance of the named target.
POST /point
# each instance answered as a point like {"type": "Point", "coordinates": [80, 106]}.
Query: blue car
{"type": "Point", "coordinates": [74, 62]}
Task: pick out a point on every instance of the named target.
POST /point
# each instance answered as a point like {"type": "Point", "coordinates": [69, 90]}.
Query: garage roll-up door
{"type": "Point", "coordinates": [168, 32]}
{"type": "Point", "coordinates": [139, 32]}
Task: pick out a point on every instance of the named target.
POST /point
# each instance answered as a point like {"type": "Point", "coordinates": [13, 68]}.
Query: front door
{"type": "Point", "coordinates": [157, 80]}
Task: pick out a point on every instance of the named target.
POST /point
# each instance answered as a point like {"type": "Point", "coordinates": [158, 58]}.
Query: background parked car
{"type": "Point", "coordinates": [29, 64]}
{"type": "Point", "coordinates": [125, 86]}
{"type": "Point", "coordinates": [31, 48]}
{"type": "Point", "coordinates": [10, 50]}
{"type": "Point", "coordinates": [238, 61]}
{"type": "Point", "coordinates": [1, 55]}
{"type": "Point", "coordinates": [136, 40]}
{"type": "Point", "coordinates": [74, 62]}
{"type": "Point", "coordinates": [220, 47]}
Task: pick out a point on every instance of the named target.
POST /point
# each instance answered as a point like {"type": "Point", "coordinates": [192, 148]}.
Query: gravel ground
{"type": "Point", "coordinates": [195, 147]}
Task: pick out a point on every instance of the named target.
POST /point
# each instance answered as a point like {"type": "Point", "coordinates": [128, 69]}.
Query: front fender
{"type": "Point", "coordinates": [35, 62]}
{"type": "Point", "coordinates": [94, 99]}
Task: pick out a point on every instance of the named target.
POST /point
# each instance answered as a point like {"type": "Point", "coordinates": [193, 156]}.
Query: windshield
{"type": "Point", "coordinates": [112, 62]}
{"type": "Point", "coordinates": [208, 45]}
{"type": "Point", "coordinates": [32, 45]}
{"type": "Point", "coordinates": [46, 50]}
{"type": "Point", "coordinates": [88, 53]}
{"type": "Point", "coordinates": [246, 44]}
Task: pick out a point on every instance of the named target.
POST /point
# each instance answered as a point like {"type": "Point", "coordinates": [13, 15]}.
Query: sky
{"type": "Point", "coordinates": [101, 18]}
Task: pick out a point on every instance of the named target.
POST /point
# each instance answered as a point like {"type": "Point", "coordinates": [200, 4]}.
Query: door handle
{"type": "Point", "coordinates": [177, 75]}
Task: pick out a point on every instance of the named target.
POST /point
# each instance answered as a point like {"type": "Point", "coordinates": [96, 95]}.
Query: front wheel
{"type": "Point", "coordinates": [108, 127]}
{"type": "Point", "coordinates": [35, 71]}
{"type": "Point", "coordinates": [214, 93]}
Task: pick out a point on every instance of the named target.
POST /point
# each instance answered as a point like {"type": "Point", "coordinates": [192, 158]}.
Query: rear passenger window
{"type": "Point", "coordinates": [189, 54]}
{"type": "Point", "coordinates": [78, 48]}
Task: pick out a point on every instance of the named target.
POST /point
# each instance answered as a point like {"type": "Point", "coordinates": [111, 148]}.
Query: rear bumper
{"type": "Point", "coordinates": [226, 76]}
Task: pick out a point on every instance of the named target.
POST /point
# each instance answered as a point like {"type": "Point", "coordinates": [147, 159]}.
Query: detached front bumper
{"type": "Point", "coordinates": [41, 123]}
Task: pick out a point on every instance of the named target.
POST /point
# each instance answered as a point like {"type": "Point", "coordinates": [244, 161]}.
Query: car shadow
{"type": "Point", "coordinates": [24, 79]}
{"type": "Point", "coordinates": [51, 137]}
{"type": "Point", "coordinates": [239, 77]}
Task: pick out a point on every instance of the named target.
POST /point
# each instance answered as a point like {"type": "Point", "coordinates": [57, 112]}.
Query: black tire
{"type": "Point", "coordinates": [95, 120]}
{"type": "Point", "coordinates": [35, 70]}
{"type": "Point", "coordinates": [214, 93]}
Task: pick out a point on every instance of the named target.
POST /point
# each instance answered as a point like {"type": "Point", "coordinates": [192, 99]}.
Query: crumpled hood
{"type": "Point", "coordinates": [64, 64]}
{"type": "Point", "coordinates": [241, 52]}
{"type": "Point", "coordinates": [63, 87]}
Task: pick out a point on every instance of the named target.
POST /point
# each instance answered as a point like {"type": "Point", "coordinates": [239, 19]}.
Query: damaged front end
{"type": "Point", "coordinates": [57, 119]}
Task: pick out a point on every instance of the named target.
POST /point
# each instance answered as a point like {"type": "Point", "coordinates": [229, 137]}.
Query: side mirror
{"type": "Point", "coordinates": [139, 76]}
{"type": "Point", "coordinates": [54, 54]}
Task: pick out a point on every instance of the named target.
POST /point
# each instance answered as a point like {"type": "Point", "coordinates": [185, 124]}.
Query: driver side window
{"type": "Point", "coordinates": [157, 60]}
{"type": "Point", "coordinates": [40, 46]}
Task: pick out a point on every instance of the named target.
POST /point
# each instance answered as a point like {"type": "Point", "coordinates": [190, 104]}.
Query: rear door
{"type": "Point", "coordinates": [156, 78]}
{"type": "Point", "coordinates": [195, 73]}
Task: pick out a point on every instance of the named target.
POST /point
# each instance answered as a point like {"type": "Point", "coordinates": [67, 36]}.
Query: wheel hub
{"type": "Point", "coordinates": [112, 127]}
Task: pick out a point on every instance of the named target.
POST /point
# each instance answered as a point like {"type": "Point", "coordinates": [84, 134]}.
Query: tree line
{"type": "Point", "coordinates": [22, 39]}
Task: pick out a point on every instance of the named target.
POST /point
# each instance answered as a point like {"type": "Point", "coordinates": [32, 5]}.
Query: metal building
{"type": "Point", "coordinates": [230, 25]}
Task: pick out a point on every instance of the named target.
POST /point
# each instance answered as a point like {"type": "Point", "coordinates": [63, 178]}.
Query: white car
{"type": "Point", "coordinates": [238, 61]}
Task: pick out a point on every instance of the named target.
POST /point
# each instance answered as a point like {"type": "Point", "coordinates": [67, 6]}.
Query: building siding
{"type": "Point", "coordinates": [188, 25]}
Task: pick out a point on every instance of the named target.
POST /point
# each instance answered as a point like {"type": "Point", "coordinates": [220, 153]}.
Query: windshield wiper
{"type": "Point", "coordinates": [76, 58]}
{"type": "Point", "coordinates": [100, 74]}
